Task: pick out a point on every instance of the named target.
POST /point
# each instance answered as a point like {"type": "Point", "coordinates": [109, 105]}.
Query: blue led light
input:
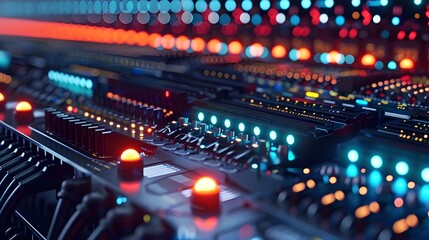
{"type": "Point", "coordinates": [417, 2]}
{"type": "Point", "coordinates": [227, 123]}
{"type": "Point", "coordinates": [402, 168]}
{"type": "Point", "coordinates": [256, 131]}
{"type": "Point", "coordinates": [5, 59]}
{"type": "Point", "coordinates": [284, 4]}
{"type": "Point", "coordinates": [424, 194]}
{"type": "Point", "coordinates": [200, 116]}
{"type": "Point", "coordinates": [385, 34]}
{"type": "Point", "coordinates": [273, 135]}
{"type": "Point", "coordinates": [340, 20]}
{"type": "Point", "coordinates": [353, 155]}
{"type": "Point", "coordinates": [295, 20]}
{"type": "Point", "coordinates": [379, 65]}
{"type": "Point", "coordinates": [230, 5]}
{"type": "Point", "coordinates": [392, 65]}
{"type": "Point", "coordinates": [256, 19]}
{"type": "Point", "coordinates": [290, 139]}
{"type": "Point", "coordinates": [399, 186]}
{"type": "Point", "coordinates": [376, 161]}
{"type": "Point", "coordinates": [375, 179]}
{"type": "Point", "coordinates": [396, 21]}
{"type": "Point", "coordinates": [293, 54]}
{"type": "Point", "coordinates": [201, 6]}
{"type": "Point", "coordinates": [361, 102]}
{"type": "Point", "coordinates": [214, 5]}
{"type": "Point", "coordinates": [187, 5]}
{"type": "Point", "coordinates": [425, 174]}
{"type": "Point", "coordinates": [241, 127]}
{"type": "Point", "coordinates": [290, 155]}
{"type": "Point", "coordinates": [121, 200]}
{"type": "Point", "coordinates": [247, 5]}
{"type": "Point", "coordinates": [355, 3]}
{"type": "Point", "coordinates": [324, 58]}
{"type": "Point", "coordinates": [306, 4]}
{"type": "Point", "coordinates": [265, 5]}
{"type": "Point", "coordinates": [329, 3]}
{"type": "Point", "coordinates": [213, 119]}
{"type": "Point", "coordinates": [384, 2]}
{"type": "Point", "coordinates": [349, 59]}
{"type": "Point", "coordinates": [352, 171]}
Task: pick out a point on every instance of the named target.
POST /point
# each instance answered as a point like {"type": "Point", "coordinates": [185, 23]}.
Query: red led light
{"type": "Point", "coordinates": [167, 94]}
{"type": "Point", "coordinates": [198, 44]}
{"type": "Point", "coordinates": [23, 112]}
{"type": "Point", "coordinates": [149, 130]}
{"type": "Point", "coordinates": [130, 155]}
{"type": "Point", "coordinates": [205, 195]}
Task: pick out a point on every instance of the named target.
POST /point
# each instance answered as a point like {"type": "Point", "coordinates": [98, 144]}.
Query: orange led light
{"type": "Point", "coordinates": [406, 63]}
{"type": "Point", "coordinates": [130, 155]}
{"type": "Point", "coordinates": [214, 45]}
{"type": "Point", "coordinates": [23, 106]}
{"type": "Point", "coordinates": [198, 44]}
{"type": "Point", "coordinates": [304, 54]}
{"type": "Point", "coordinates": [368, 60]}
{"type": "Point", "coordinates": [2, 97]}
{"type": "Point", "coordinates": [278, 51]}
{"type": "Point", "coordinates": [235, 47]}
{"type": "Point", "coordinates": [206, 185]}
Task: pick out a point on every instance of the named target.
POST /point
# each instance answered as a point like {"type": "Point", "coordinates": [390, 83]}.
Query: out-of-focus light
{"type": "Point", "coordinates": [312, 94]}
{"type": "Point", "coordinates": [200, 116]}
{"type": "Point", "coordinates": [256, 131]}
{"type": "Point", "coordinates": [273, 135]}
{"type": "Point", "coordinates": [23, 106]}
{"type": "Point", "coordinates": [417, 2]}
{"type": "Point", "coordinates": [361, 102]}
{"type": "Point", "coordinates": [396, 21]}
{"type": "Point", "coordinates": [198, 44]}
{"type": "Point", "coordinates": [376, 161]}
{"type": "Point", "coordinates": [392, 65]}
{"type": "Point", "coordinates": [368, 60]}
{"type": "Point", "coordinates": [278, 51]}
{"type": "Point", "coordinates": [376, 19]}
{"type": "Point", "coordinates": [130, 155]}
{"type": "Point", "coordinates": [213, 120]}
{"type": "Point", "coordinates": [425, 174]}
{"type": "Point", "coordinates": [214, 45]}
{"type": "Point", "coordinates": [406, 63]}
{"type": "Point", "coordinates": [256, 50]}
{"type": "Point", "coordinates": [402, 168]}
{"type": "Point", "coordinates": [323, 18]}
{"type": "Point", "coordinates": [384, 2]}
{"type": "Point", "coordinates": [235, 47]}
{"type": "Point", "coordinates": [353, 155]}
{"type": "Point", "coordinates": [241, 127]}
{"type": "Point", "coordinates": [290, 139]}
{"type": "Point", "coordinates": [304, 54]}
{"type": "Point", "coordinates": [227, 123]}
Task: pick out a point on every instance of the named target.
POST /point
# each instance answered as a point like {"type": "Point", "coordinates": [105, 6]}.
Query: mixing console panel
{"type": "Point", "coordinates": [168, 119]}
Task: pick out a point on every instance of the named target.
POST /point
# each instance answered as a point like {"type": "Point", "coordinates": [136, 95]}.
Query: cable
{"type": "Point", "coordinates": [71, 193]}
{"type": "Point", "coordinates": [94, 206]}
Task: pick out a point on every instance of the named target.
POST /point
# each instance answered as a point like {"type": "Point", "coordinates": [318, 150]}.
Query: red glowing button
{"type": "Point", "coordinates": [23, 113]}
{"type": "Point", "coordinates": [205, 195]}
{"type": "Point", "coordinates": [130, 155]}
{"type": "Point", "coordinates": [131, 165]}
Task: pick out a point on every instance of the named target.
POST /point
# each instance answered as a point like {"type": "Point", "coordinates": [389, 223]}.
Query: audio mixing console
{"type": "Point", "coordinates": [198, 119]}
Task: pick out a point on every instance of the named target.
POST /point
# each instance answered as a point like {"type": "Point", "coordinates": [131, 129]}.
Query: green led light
{"type": "Point", "coordinates": [256, 131]}
{"type": "Point", "coordinates": [402, 168]}
{"type": "Point", "coordinates": [227, 123]}
{"type": "Point", "coordinates": [376, 161]}
{"type": "Point", "coordinates": [273, 135]}
{"type": "Point", "coordinates": [353, 155]}
{"type": "Point", "coordinates": [213, 120]}
{"type": "Point", "coordinates": [290, 139]}
{"type": "Point", "coordinates": [425, 175]}
{"type": "Point", "coordinates": [200, 116]}
{"type": "Point", "coordinates": [241, 127]}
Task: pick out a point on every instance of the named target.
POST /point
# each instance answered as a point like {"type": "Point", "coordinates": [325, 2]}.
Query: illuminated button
{"type": "Point", "coordinates": [2, 102]}
{"type": "Point", "coordinates": [205, 195]}
{"type": "Point", "coordinates": [2, 97]}
{"type": "Point", "coordinates": [131, 165]}
{"type": "Point", "coordinates": [23, 112]}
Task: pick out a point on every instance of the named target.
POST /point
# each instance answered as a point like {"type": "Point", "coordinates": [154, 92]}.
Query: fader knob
{"type": "Point", "coordinates": [205, 195]}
